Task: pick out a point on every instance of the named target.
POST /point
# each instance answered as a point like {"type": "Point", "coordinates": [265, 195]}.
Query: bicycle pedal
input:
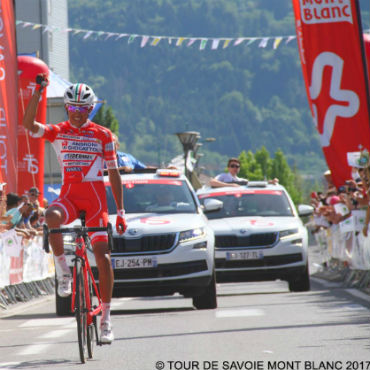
{"type": "Point", "coordinates": [103, 344]}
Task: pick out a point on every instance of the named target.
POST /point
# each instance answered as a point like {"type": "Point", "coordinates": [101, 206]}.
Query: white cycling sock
{"type": "Point", "coordinates": [105, 312]}
{"type": "Point", "coordinates": [61, 266]}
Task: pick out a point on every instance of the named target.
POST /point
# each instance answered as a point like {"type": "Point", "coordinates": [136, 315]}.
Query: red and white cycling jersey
{"type": "Point", "coordinates": [81, 152]}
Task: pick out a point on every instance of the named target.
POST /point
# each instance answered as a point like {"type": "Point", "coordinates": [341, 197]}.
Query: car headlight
{"type": "Point", "coordinates": [287, 233]}
{"type": "Point", "coordinates": [188, 235]}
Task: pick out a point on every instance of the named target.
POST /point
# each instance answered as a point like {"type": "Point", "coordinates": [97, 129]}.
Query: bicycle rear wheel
{"type": "Point", "coordinates": [81, 312]}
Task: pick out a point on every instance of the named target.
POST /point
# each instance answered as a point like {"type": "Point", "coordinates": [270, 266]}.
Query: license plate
{"type": "Point", "coordinates": [246, 255]}
{"type": "Point", "coordinates": [134, 262]}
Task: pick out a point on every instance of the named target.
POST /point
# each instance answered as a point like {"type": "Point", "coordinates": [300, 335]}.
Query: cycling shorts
{"type": "Point", "coordinates": [89, 197]}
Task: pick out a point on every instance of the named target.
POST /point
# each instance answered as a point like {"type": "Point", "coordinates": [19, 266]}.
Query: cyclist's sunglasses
{"type": "Point", "coordinates": [234, 166]}
{"type": "Point", "coordinates": [78, 108]}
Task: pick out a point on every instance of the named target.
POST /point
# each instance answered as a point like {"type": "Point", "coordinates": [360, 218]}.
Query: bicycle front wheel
{"type": "Point", "coordinates": [81, 312]}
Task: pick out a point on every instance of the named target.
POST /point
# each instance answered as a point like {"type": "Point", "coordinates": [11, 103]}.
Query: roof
{"type": "Point", "coordinates": [57, 86]}
{"type": "Point", "coordinates": [251, 185]}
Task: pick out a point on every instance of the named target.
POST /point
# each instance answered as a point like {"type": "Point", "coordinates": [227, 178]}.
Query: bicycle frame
{"type": "Point", "coordinates": [80, 253]}
{"type": "Point", "coordinates": [82, 265]}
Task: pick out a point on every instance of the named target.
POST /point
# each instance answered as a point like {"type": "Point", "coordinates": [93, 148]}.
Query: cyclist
{"type": "Point", "coordinates": [81, 147]}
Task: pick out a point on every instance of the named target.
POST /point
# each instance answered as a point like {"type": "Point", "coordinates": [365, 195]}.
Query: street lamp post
{"type": "Point", "coordinates": [188, 139]}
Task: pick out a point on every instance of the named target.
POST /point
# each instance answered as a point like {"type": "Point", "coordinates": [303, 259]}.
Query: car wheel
{"type": "Point", "coordinates": [301, 282]}
{"type": "Point", "coordinates": [62, 304]}
{"type": "Point", "coordinates": [208, 299]}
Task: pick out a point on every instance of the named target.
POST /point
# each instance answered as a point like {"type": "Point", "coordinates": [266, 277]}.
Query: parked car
{"type": "Point", "coordinates": [168, 246]}
{"type": "Point", "coordinates": [259, 235]}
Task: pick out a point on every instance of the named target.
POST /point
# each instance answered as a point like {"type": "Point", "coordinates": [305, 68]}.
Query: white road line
{"type": "Point", "coordinates": [247, 312]}
{"type": "Point", "coordinates": [34, 349]}
{"type": "Point", "coordinates": [47, 322]}
{"type": "Point", "coordinates": [55, 334]}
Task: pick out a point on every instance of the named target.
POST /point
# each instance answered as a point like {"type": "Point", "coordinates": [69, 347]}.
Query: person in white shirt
{"type": "Point", "coordinates": [230, 178]}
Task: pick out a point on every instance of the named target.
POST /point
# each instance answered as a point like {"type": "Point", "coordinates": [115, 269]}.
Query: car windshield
{"type": "Point", "coordinates": [250, 203]}
{"type": "Point", "coordinates": [154, 196]}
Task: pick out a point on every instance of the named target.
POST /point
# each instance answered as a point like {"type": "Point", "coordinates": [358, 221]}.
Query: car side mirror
{"type": "Point", "coordinates": [212, 205]}
{"type": "Point", "coordinates": [305, 210]}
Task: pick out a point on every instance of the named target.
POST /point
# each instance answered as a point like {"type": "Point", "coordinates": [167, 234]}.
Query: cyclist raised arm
{"type": "Point", "coordinates": [82, 147]}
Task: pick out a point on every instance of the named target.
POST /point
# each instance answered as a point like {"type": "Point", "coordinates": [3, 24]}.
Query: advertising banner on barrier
{"type": "Point", "coordinates": [8, 96]}
{"type": "Point", "coordinates": [330, 43]}
{"type": "Point", "coordinates": [30, 150]}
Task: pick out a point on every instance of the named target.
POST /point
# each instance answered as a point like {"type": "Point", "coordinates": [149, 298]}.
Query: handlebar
{"type": "Point", "coordinates": [80, 230]}
{"type": "Point", "coordinates": [77, 229]}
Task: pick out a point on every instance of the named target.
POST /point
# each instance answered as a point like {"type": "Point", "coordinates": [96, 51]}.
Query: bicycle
{"type": "Point", "coordinates": [84, 285]}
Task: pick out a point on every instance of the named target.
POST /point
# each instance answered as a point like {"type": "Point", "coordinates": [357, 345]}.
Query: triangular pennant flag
{"type": "Point", "coordinates": [144, 40]}
{"type": "Point", "coordinates": [120, 35]}
{"type": "Point", "coordinates": [239, 41]}
{"type": "Point", "coordinates": [169, 40]}
{"type": "Point", "coordinates": [88, 34]}
{"type": "Point", "coordinates": [203, 44]}
{"type": "Point", "coordinates": [18, 22]}
{"type": "Point", "coordinates": [277, 42]}
{"type": "Point", "coordinates": [191, 41]}
{"type": "Point", "coordinates": [131, 38]}
{"type": "Point", "coordinates": [155, 41]}
{"type": "Point", "coordinates": [226, 43]}
{"type": "Point", "coordinates": [46, 29]}
{"type": "Point", "coordinates": [26, 24]}
{"type": "Point", "coordinates": [263, 42]}
{"type": "Point", "coordinates": [179, 41]}
{"type": "Point", "coordinates": [251, 41]}
{"type": "Point", "coordinates": [109, 35]}
{"type": "Point", "coordinates": [215, 44]}
{"type": "Point", "coordinates": [290, 38]}
{"type": "Point", "coordinates": [36, 26]}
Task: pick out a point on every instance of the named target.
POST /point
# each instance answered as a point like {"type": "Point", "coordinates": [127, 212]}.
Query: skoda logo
{"type": "Point", "coordinates": [243, 231]}
{"type": "Point", "coordinates": [133, 231]}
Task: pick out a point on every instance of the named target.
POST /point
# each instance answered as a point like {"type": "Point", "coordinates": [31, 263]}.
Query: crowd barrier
{"type": "Point", "coordinates": [26, 271]}
{"type": "Point", "coordinates": [345, 253]}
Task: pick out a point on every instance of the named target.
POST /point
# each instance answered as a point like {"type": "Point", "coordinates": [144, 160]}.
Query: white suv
{"type": "Point", "coordinates": [168, 246]}
{"type": "Point", "coordinates": [259, 235]}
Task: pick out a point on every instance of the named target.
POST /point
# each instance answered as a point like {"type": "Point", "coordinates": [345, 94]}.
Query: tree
{"type": "Point", "coordinates": [260, 166]}
{"type": "Point", "coordinates": [106, 118]}
{"type": "Point", "coordinates": [281, 170]}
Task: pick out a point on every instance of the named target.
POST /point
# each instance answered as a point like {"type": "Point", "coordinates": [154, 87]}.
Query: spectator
{"type": "Point", "coordinates": [13, 200]}
{"type": "Point", "coordinates": [126, 161]}
{"type": "Point", "coordinates": [328, 179]}
{"type": "Point", "coordinates": [230, 178]}
{"type": "Point", "coordinates": [15, 209]}
{"type": "Point", "coordinates": [33, 194]}
{"type": "Point", "coordinates": [3, 218]}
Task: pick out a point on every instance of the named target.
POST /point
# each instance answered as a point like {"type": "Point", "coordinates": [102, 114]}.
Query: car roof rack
{"type": "Point", "coordinates": [122, 171]}
{"type": "Point", "coordinates": [257, 184]}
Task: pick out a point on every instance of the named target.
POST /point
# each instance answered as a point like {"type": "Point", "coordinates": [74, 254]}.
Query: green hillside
{"type": "Point", "coordinates": [245, 96]}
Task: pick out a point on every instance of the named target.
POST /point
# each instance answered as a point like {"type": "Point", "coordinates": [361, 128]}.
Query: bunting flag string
{"type": "Point", "coordinates": [214, 42]}
{"type": "Point", "coordinates": [151, 40]}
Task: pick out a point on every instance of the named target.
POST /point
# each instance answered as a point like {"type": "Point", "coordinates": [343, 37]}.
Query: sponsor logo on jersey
{"type": "Point", "coordinates": [73, 169]}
